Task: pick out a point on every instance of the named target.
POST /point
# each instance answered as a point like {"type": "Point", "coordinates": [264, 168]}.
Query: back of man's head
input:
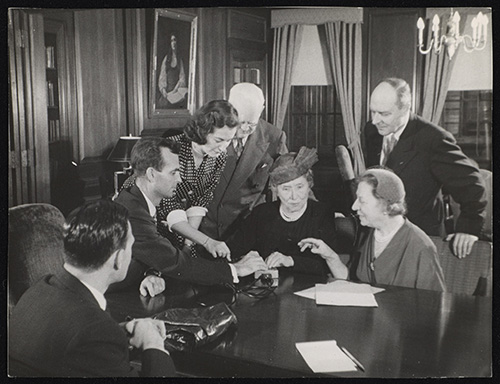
{"type": "Point", "coordinates": [147, 153]}
{"type": "Point", "coordinates": [94, 232]}
{"type": "Point", "coordinates": [246, 98]}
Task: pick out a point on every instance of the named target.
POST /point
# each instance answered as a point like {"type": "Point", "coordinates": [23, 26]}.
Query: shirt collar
{"type": "Point", "coordinates": [101, 300]}
{"type": "Point", "coordinates": [151, 206]}
{"type": "Point", "coordinates": [400, 131]}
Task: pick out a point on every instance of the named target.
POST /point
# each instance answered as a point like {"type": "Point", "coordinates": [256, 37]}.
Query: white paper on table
{"type": "Point", "coordinates": [345, 295]}
{"type": "Point", "coordinates": [325, 356]}
{"type": "Point", "coordinates": [309, 293]}
{"type": "Point", "coordinates": [340, 286]}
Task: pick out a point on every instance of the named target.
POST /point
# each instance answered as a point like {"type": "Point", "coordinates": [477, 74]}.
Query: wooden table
{"type": "Point", "coordinates": [412, 333]}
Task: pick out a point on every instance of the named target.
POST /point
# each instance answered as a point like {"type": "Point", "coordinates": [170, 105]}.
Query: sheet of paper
{"type": "Point", "coordinates": [340, 286]}
{"type": "Point", "coordinates": [309, 293]}
{"type": "Point", "coordinates": [354, 295]}
{"type": "Point", "coordinates": [325, 356]}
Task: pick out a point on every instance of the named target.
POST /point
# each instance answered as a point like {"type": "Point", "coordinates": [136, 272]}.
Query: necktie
{"type": "Point", "coordinates": [238, 148]}
{"type": "Point", "coordinates": [390, 144]}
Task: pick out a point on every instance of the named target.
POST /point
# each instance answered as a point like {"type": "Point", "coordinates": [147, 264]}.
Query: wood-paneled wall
{"type": "Point", "coordinates": [101, 82]}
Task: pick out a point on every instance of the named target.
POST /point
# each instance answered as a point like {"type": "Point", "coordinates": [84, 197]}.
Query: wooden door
{"type": "Point", "coordinates": [29, 174]}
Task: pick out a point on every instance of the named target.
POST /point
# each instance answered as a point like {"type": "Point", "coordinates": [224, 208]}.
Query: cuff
{"type": "Point", "coordinates": [176, 216]}
{"type": "Point", "coordinates": [234, 273]}
{"type": "Point", "coordinates": [158, 349]}
{"type": "Point", "coordinates": [196, 211]}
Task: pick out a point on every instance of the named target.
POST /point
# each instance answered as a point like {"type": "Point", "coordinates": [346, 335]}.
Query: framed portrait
{"type": "Point", "coordinates": [173, 63]}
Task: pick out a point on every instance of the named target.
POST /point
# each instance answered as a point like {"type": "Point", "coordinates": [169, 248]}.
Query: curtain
{"type": "Point", "coordinates": [437, 74]}
{"type": "Point", "coordinates": [343, 45]}
{"type": "Point", "coordinates": [286, 44]}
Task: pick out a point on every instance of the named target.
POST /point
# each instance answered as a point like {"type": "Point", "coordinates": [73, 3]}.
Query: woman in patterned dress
{"type": "Point", "coordinates": [202, 159]}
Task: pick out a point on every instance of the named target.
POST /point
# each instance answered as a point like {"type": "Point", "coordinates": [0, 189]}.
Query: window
{"type": "Point", "coordinates": [314, 119]}
{"type": "Point", "coordinates": [467, 115]}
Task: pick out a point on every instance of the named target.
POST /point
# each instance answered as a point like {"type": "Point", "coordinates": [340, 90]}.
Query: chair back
{"type": "Point", "coordinates": [35, 246]}
{"type": "Point", "coordinates": [471, 275]}
{"type": "Point", "coordinates": [487, 229]}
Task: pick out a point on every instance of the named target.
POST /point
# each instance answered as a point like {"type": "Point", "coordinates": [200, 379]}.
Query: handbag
{"type": "Point", "coordinates": [187, 328]}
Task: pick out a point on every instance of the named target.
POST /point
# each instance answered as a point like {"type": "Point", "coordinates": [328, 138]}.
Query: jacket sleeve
{"type": "Point", "coordinates": [156, 251]}
{"type": "Point", "coordinates": [462, 180]}
{"type": "Point", "coordinates": [98, 350]}
{"type": "Point", "coordinates": [156, 363]}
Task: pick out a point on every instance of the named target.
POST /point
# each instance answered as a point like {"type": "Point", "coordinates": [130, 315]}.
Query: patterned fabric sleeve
{"type": "Point", "coordinates": [197, 185]}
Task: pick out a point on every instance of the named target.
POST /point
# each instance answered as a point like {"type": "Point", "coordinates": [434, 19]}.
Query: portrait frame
{"type": "Point", "coordinates": [173, 63]}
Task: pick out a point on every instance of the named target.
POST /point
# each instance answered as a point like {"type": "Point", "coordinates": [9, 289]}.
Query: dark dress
{"type": "Point", "coordinates": [265, 231]}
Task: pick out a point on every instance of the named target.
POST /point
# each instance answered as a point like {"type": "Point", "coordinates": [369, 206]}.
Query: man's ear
{"type": "Point", "coordinates": [150, 174]}
{"type": "Point", "coordinates": [117, 259]}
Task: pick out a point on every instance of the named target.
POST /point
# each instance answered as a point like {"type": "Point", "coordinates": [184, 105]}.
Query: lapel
{"type": "Point", "coordinates": [404, 150]}
{"type": "Point", "coordinates": [135, 191]}
{"type": "Point", "coordinates": [253, 151]}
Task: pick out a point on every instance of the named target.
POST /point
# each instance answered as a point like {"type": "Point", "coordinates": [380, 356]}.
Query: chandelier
{"type": "Point", "coordinates": [453, 39]}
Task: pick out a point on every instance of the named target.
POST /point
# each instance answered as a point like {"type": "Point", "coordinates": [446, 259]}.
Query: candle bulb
{"type": "Point", "coordinates": [435, 29]}
{"type": "Point", "coordinates": [474, 30]}
{"type": "Point", "coordinates": [420, 26]}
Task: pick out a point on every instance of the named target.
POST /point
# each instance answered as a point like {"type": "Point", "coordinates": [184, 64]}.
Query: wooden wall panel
{"type": "Point", "coordinates": [101, 83]}
{"type": "Point", "coordinates": [392, 47]}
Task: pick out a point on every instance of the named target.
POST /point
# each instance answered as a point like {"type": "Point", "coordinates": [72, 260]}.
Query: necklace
{"type": "Point", "coordinates": [294, 216]}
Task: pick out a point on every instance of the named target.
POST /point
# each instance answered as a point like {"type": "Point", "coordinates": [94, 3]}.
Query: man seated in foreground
{"type": "Point", "coordinates": [60, 326]}
{"type": "Point", "coordinates": [156, 166]}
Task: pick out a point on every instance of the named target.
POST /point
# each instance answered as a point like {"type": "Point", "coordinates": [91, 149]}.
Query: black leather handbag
{"type": "Point", "coordinates": [188, 328]}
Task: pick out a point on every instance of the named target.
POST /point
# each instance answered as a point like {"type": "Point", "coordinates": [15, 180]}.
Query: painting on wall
{"type": "Point", "coordinates": [173, 63]}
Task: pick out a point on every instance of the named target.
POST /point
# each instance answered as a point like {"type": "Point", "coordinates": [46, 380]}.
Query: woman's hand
{"type": "Point", "coordinates": [217, 248]}
{"type": "Point", "coordinates": [277, 259]}
{"type": "Point", "coordinates": [318, 247]}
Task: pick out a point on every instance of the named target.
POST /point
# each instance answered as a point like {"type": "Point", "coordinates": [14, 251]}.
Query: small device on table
{"type": "Point", "coordinates": [269, 277]}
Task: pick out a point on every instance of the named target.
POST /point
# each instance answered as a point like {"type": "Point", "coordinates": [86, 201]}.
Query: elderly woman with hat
{"type": "Point", "coordinates": [274, 229]}
{"type": "Point", "coordinates": [394, 251]}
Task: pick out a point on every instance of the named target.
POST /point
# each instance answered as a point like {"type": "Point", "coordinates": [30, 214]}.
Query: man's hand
{"type": "Point", "coordinates": [217, 248]}
{"type": "Point", "coordinates": [146, 333]}
{"type": "Point", "coordinates": [249, 264]}
{"type": "Point", "coordinates": [277, 259]}
{"type": "Point", "coordinates": [152, 285]}
{"type": "Point", "coordinates": [462, 243]}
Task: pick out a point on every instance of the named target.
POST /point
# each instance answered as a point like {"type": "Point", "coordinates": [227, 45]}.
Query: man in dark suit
{"type": "Point", "coordinates": [244, 181]}
{"type": "Point", "coordinates": [60, 326]}
{"type": "Point", "coordinates": [156, 165]}
{"type": "Point", "coordinates": [427, 159]}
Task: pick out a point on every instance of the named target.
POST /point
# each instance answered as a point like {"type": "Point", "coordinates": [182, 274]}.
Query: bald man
{"type": "Point", "coordinates": [244, 182]}
{"type": "Point", "coordinates": [427, 159]}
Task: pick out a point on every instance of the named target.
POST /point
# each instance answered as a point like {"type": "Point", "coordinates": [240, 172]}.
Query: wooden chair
{"type": "Point", "coordinates": [471, 275]}
{"type": "Point", "coordinates": [454, 207]}
{"type": "Point", "coordinates": [35, 246]}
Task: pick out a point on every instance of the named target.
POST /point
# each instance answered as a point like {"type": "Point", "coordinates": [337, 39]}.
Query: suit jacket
{"type": "Point", "coordinates": [58, 329]}
{"type": "Point", "coordinates": [151, 250]}
{"type": "Point", "coordinates": [244, 182]}
{"type": "Point", "coordinates": [427, 159]}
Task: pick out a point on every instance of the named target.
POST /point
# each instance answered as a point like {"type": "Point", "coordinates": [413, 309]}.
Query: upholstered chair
{"type": "Point", "coordinates": [35, 246]}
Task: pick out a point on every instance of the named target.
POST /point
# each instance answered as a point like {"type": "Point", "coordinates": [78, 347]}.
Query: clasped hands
{"type": "Point", "coordinates": [146, 333]}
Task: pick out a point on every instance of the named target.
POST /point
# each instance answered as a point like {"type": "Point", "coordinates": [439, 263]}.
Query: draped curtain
{"type": "Point", "coordinates": [437, 75]}
{"type": "Point", "coordinates": [286, 44]}
{"type": "Point", "coordinates": [343, 44]}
